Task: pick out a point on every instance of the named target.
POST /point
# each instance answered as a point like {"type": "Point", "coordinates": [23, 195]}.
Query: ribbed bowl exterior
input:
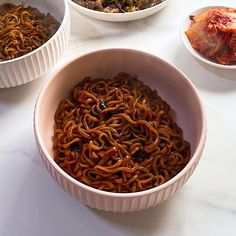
{"type": "Point", "coordinates": [30, 67]}
{"type": "Point", "coordinates": [111, 203]}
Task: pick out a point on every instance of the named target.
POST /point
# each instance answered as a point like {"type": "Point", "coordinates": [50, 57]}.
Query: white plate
{"type": "Point", "coordinates": [118, 17]}
{"type": "Point", "coordinates": [185, 26]}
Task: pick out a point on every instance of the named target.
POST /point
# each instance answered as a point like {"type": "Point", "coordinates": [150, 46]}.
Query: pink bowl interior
{"type": "Point", "coordinates": [170, 83]}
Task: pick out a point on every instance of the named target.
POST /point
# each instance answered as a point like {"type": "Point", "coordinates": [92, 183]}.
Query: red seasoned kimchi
{"type": "Point", "coordinates": [213, 34]}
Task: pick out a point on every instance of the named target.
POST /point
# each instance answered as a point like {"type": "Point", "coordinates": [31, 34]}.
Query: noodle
{"type": "Point", "coordinates": [23, 29]}
{"type": "Point", "coordinates": [118, 135]}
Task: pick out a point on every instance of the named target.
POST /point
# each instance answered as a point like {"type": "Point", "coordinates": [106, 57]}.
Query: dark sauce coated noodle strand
{"type": "Point", "coordinates": [118, 135]}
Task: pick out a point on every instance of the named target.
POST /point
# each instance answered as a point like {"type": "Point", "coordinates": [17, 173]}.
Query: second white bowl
{"type": "Point", "coordinates": [29, 67]}
{"type": "Point", "coordinates": [118, 17]}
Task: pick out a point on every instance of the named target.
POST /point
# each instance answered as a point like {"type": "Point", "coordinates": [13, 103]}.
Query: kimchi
{"type": "Point", "coordinates": [213, 34]}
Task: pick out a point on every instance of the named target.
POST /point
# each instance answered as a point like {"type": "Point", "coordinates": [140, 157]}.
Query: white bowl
{"type": "Point", "coordinates": [172, 85]}
{"type": "Point", "coordinates": [185, 26]}
{"type": "Point", "coordinates": [26, 68]}
{"type": "Point", "coordinates": [119, 17]}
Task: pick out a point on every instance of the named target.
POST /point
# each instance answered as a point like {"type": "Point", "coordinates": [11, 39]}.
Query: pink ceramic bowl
{"type": "Point", "coordinates": [171, 84]}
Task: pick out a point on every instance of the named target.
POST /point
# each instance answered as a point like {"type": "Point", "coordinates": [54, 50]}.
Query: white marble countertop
{"type": "Point", "coordinates": [32, 204]}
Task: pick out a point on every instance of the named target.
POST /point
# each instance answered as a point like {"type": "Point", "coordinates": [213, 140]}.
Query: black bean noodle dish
{"type": "Point", "coordinates": [118, 135]}
{"type": "Point", "coordinates": [118, 6]}
{"type": "Point", "coordinates": [23, 29]}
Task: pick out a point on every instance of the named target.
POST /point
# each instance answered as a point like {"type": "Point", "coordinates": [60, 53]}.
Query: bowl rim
{"type": "Point", "coordinates": [64, 20]}
{"type": "Point", "coordinates": [185, 25]}
{"type": "Point", "coordinates": [118, 14]}
{"type": "Point", "coordinates": [186, 169]}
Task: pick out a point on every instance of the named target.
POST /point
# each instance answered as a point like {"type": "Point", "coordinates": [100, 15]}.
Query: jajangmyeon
{"type": "Point", "coordinates": [118, 135]}
{"type": "Point", "coordinates": [23, 29]}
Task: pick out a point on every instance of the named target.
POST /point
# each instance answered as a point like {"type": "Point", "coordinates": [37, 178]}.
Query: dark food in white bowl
{"type": "Point", "coordinates": [23, 29]}
{"type": "Point", "coordinates": [117, 6]}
